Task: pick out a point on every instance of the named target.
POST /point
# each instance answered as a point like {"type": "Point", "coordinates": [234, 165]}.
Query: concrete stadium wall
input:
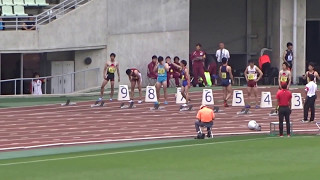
{"type": "Point", "coordinates": [98, 60]}
{"type": "Point", "coordinates": [135, 33]}
{"type": "Point", "coordinates": [136, 50]}
{"type": "Point", "coordinates": [15, 41]}
{"type": "Point", "coordinates": [84, 27]}
{"type": "Point", "coordinates": [313, 12]}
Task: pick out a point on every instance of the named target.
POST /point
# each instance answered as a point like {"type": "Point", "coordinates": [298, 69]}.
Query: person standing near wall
{"type": "Point", "coordinates": [225, 73]}
{"type": "Point", "coordinates": [311, 96]}
{"type": "Point", "coordinates": [108, 75]}
{"type": "Point", "coordinates": [173, 71]}
{"type": "Point", "coordinates": [151, 74]}
{"type": "Point", "coordinates": [265, 66]}
{"type": "Point", "coordinates": [310, 72]}
{"type": "Point", "coordinates": [284, 103]}
{"type": "Point", "coordinates": [222, 53]}
{"type": "Point", "coordinates": [198, 57]}
{"type": "Point", "coordinates": [284, 76]}
{"type": "Point", "coordinates": [288, 55]}
{"type": "Point", "coordinates": [36, 84]}
{"type": "Point", "coordinates": [162, 68]}
{"type": "Point", "coordinates": [251, 75]}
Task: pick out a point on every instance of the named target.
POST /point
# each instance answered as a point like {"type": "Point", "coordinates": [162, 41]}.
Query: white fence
{"type": "Point", "coordinates": [59, 84]}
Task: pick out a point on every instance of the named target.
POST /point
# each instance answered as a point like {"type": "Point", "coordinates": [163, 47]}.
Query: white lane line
{"type": "Point", "coordinates": [132, 151]}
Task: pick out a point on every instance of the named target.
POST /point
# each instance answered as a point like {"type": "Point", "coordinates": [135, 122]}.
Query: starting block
{"type": "Point", "coordinates": [273, 113]}
{"type": "Point", "coordinates": [130, 106]}
{"type": "Point", "coordinates": [156, 107]}
{"type": "Point", "coordinates": [186, 108]}
{"type": "Point", "coordinates": [69, 103]}
{"type": "Point", "coordinates": [243, 111]}
{"type": "Point", "coordinates": [216, 109]}
{"type": "Point", "coordinates": [98, 104]}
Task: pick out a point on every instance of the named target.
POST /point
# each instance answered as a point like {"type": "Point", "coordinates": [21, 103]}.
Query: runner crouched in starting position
{"type": "Point", "coordinates": [185, 77]}
{"type": "Point", "coordinates": [135, 79]}
{"type": "Point", "coordinates": [108, 75]}
{"type": "Point", "coordinates": [205, 118]}
{"type": "Point", "coordinates": [162, 68]}
{"type": "Point", "coordinates": [251, 76]}
{"type": "Point", "coordinates": [226, 76]}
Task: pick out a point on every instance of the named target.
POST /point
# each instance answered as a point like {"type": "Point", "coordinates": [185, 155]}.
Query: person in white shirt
{"type": "Point", "coordinates": [311, 90]}
{"type": "Point", "coordinates": [251, 74]}
{"type": "Point", "coordinates": [222, 53]}
{"type": "Point", "coordinates": [36, 85]}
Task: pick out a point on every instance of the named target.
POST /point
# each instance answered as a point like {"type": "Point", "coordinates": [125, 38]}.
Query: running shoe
{"type": "Point", "coordinates": [140, 101]}
{"type": "Point", "coordinates": [166, 103]}
{"type": "Point", "coordinates": [248, 106]}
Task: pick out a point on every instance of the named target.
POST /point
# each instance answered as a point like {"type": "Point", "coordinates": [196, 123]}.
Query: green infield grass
{"type": "Point", "coordinates": [227, 158]}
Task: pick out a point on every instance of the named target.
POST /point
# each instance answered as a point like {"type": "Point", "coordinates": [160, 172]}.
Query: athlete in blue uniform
{"type": "Point", "coordinates": [162, 68]}
{"type": "Point", "coordinates": [226, 76]}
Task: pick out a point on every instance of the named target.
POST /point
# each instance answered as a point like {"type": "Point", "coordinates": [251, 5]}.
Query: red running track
{"type": "Point", "coordinates": [56, 125]}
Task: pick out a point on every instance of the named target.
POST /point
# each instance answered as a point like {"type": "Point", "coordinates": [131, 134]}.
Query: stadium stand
{"type": "Point", "coordinates": [7, 2]}
{"type": "Point", "coordinates": [41, 3]}
{"type": "Point", "coordinates": [30, 3]}
{"type": "Point", "coordinates": [7, 11]}
{"type": "Point", "coordinates": [18, 2]}
{"type": "Point", "coordinates": [19, 11]}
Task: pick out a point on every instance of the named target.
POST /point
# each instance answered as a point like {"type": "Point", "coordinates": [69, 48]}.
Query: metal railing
{"type": "Point", "coordinates": [17, 22]}
{"type": "Point", "coordinates": [60, 84]}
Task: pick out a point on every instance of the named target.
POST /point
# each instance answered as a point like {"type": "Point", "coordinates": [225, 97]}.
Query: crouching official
{"type": "Point", "coordinates": [205, 118]}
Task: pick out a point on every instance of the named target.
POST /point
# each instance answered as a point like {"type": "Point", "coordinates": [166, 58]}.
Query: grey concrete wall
{"type": "Point", "coordinates": [13, 41]}
{"type": "Point", "coordinates": [85, 27]}
{"type": "Point", "coordinates": [144, 16]}
{"type": "Point", "coordinates": [214, 21]}
{"type": "Point", "coordinates": [276, 44]}
{"type": "Point", "coordinates": [99, 58]}
{"type": "Point", "coordinates": [136, 50]}
{"type": "Point", "coordinates": [161, 27]}
{"type": "Point", "coordinates": [313, 9]}
{"type": "Point", "coordinates": [286, 32]}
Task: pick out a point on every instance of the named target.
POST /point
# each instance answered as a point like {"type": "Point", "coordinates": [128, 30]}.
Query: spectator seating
{"type": "Point", "coordinates": [7, 11]}
{"type": "Point", "coordinates": [7, 2]}
{"type": "Point", "coordinates": [17, 7]}
{"type": "Point", "coordinates": [30, 3]}
{"type": "Point", "coordinates": [41, 3]}
{"type": "Point", "coordinates": [18, 2]}
{"type": "Point", "coordinates": [19, 11]}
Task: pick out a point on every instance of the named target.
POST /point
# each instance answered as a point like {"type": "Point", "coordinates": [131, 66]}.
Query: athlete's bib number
{"type": "Point", "coordinates": [171, 70]}
{"type": "Point", "coordinates": [182, 77]}
{"type": "Point", "coordinates": [112, 69]}
{"type": "Point", "coordinates": [224, 75]}
{"type": "Point", "coordinates": [251, 76]}
{"type": "Point", "coordinates": [290, 58]}
{"type": "Point", "coordinates": [161, 71]}
{"type": "Point", "coordinates": [284, 79]}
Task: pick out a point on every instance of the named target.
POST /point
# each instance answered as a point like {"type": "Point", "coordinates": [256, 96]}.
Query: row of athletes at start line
{"type": "Point", "coordinates": [252, 74]}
